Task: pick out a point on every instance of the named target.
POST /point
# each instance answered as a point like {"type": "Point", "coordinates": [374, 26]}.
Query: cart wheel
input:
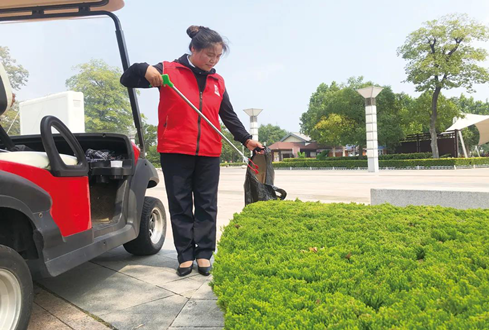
{"type": "Point", "coordinates": [152, 229]}
{"type": "Point", "coordinates": [16, 292]}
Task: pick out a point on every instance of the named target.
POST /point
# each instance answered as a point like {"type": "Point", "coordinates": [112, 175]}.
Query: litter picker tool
{"type": "Point", "coordinates": [167, 82]}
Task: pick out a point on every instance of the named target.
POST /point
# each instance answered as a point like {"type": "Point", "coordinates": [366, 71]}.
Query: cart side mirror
{"type": "Point", "coordinates": [5, 91]}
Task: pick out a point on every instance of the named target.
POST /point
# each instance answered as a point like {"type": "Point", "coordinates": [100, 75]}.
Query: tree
{"type": "Point", "coordinates": [420, 112]}
{"type": "Point", "coordinates": [228, 153]}
{"type": "Point", "coordinates": [332, 130]}
{"type": "Point", "coordinates": [469, 105]}
{"type": "Point", "coordinates": [269, 134]}
{"type": "Point", "coordinates": [344, 100]}
{"type": "Point", "coordinates": [17, 74]}
{"type": "Point", "coordinates": [440, 56]}
{"type": "Point", "coordinates": [107, 106]}
{"type": "Point", "coordinates": [18, 77]}
{"type": "Point", "coordinates": [150, 134]}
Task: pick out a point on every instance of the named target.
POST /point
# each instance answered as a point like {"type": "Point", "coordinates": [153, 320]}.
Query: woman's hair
{"type": "Point", "coordinates": [203, 37]}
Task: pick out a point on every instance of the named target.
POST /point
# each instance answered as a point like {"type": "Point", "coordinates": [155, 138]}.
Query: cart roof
{"type": "Point", "coordinates": [26, 7]}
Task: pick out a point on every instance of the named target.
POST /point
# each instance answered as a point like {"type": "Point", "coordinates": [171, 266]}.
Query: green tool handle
{"type": "Point", "coordinates": [166, 81]}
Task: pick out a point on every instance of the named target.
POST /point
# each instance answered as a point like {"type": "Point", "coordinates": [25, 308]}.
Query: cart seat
{"type": "Point", "coordinates": [34, 158]}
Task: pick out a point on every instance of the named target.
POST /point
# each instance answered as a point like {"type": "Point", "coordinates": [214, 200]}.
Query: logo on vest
{"type": "Point", "coordinates": [216, 91]}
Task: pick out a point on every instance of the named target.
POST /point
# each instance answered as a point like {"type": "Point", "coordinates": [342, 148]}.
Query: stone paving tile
{"type": "Point", "coordinates": [139, 268]}
{"type": "Point", "coordinates": [62, 310]}
{"type": "Point", "coordinates": [43, 320]}
{"type": "Point", "coordinates": [100, 291]}
{"type": "Point", "coordinates": [156, 315]}
{"type": "Point", "coordinates": [200, 313]}
{"type": "Point", "coordinates": [187, 285]}
{"type": "Point", "coordinates": [204, 293]}
{"type": "Point", "coordinates": [161, 276]}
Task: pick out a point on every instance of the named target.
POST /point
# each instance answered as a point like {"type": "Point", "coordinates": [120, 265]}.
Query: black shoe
{"type": "Point", "coordinates": [206, 271]}
{"type": "Point", "coordinates": [183, 271]}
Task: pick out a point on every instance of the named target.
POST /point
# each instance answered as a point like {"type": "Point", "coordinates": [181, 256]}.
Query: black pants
{"type": "Point", "coordinates": [191, 185]}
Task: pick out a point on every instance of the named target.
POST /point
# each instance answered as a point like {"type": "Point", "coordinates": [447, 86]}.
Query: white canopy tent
{"type": "Point", "coordinates": [480, 121]}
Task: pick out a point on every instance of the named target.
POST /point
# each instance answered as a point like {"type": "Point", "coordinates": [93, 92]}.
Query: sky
{"type": "Point", "coordinates": [280, 51]}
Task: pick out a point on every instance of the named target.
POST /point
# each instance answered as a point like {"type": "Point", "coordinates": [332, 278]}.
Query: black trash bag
{"type": "Point", "coordinates": [259, 187]}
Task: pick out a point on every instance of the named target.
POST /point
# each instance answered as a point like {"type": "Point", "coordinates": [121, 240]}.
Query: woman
{"type": "Point", "coordinates": [189, 148]}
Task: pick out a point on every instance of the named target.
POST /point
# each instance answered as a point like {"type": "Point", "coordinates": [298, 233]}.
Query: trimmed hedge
{"type": "Point", "coordinates": [402, 163]}
{"type": "Point", "coordinates": [294, 265]}
{"type": "Point", "coordinates": [419, 155]}
{"type": "Point", "coordinates": [232, 164]}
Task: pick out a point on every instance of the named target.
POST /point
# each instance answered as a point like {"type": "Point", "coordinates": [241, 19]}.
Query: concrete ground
{"type": "Point", "coordinates": [120, 291]}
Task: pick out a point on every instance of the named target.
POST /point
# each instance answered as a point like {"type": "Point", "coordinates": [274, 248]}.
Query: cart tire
{"type": "Point", "coordinates": [152, 229]}
{"type": "Point", "coordinates": [16, 290]}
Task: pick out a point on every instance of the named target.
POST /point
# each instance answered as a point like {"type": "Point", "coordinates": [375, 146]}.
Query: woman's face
{"type": "Point", "coordinates": [205, 59]}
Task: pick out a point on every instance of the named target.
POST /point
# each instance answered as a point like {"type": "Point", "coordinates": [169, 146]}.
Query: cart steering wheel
{"type": "Point", "coordinates": [58, 167]}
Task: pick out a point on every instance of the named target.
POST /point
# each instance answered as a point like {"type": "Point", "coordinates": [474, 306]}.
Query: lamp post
{"type": "Point", "coordinates": [369, 93]}
{"type": "Point", "coordinates": [253, 113]}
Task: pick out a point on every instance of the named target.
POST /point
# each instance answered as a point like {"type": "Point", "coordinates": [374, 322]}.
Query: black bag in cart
{"type": "Point", "coordinates": [260, 187]}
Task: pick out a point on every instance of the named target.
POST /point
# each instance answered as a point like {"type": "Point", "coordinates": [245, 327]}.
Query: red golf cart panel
{"type": "Point", "coordinates": [70, 196]}
{"type": "Point", "coordinates": [136, 151]}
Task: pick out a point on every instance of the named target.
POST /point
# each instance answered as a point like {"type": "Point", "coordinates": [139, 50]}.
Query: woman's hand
{"type": "Point", "coordinates": [153, 76]}
{"type": "Point", "coordinates": [252, 145]}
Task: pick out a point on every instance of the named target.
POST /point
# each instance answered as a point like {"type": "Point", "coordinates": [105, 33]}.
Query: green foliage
{"type": "Point", "coordinates": [153, 156]}
{"type": "Point", "coordinates": [331, 162]}
{"type": "Point", "coordinates": [441, 55]}
{"type": "Point", "coordinates": [469, 105]}
{"type": "Point", "coordinates": [420, 112]}
{"type": "Point", "coordinates": [107, 106]}
{"type": "Point", "coordinates": [18, 77]}
{"type": "Point", "coordinates": [17, 74]}
{"type": "Point", "coordinates": [232, 164]}
{"type": "Point", "coordinates": [10, 120]}
{"type": "Point", "coordinates": [300, 155]}
{"type": "Point", "coordinates": [294, 265]}
{"type": "Point", "coordinates": [228, 154]}
{"type": "Point", "coordinates": [420, 155]}
{"type": "Point", "coordinates": [323, 155]}
{"type": "Point", "coordinates": [341, 103]}
{"type": "Point", "coordinates": [414, 155]}
{"type": "Point", "coordinates": [150, 133]}
{"type": "Point", "coordinates": [269, 134]}
{"type": "Point", "coordinates": [332, 129]}
{"type": "Point", "coordinates": [395, 163]}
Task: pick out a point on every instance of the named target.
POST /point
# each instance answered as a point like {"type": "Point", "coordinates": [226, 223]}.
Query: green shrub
{"type": "Point", "coordinates": [322, 163]}
{"type": "Point", "coordinates": [294, 265]}
{"type": "Point", "coordinates": [323, 154]}
{"type": "Point", "coordinates": [232, 164]}
{"type": "Point", "coordinates": [395, 163]}
{"type": "Point", "coordinates": [421, 155]}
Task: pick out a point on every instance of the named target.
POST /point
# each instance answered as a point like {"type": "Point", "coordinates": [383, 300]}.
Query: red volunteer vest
{"type": "Point", "coordinates": [180, 128]}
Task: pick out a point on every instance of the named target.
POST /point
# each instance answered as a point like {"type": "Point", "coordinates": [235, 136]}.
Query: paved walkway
{"type": "Point", "coordinates": [118, 290]}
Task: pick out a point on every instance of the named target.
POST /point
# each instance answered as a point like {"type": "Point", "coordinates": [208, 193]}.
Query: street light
{"type": "Point", "coordinates": [253, 113]}
{"type": "Point", "coordinates": [369, 93]}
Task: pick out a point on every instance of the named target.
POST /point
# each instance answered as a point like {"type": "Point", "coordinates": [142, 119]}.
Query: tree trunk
{"type": "Point", "coordinates": [434, 115]}
{"type": "Point", "coordinates": [334, 151]}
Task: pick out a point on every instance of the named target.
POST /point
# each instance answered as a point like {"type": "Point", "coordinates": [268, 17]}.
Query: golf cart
{"type": "Point", "coordinates": [57, 210]}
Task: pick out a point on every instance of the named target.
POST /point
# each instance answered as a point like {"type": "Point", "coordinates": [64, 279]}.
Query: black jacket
{"type": "Point", "coordinates": [134, 77]}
